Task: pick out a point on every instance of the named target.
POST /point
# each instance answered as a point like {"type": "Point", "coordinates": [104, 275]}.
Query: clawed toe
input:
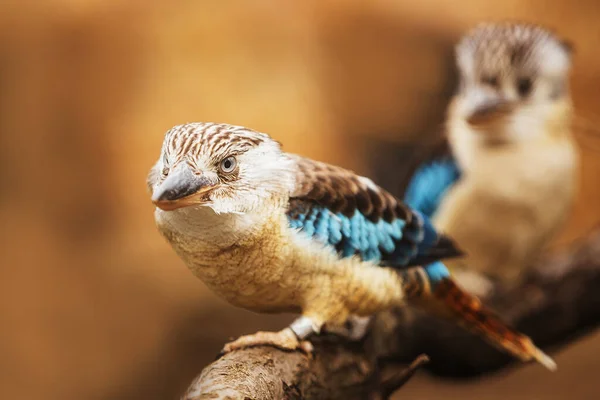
{"type": "Point", "coordinates": [284, 339]}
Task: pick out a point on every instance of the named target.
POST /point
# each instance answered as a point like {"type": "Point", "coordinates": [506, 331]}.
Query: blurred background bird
{"type": "Point", "coordinates": [275, 232]}
{"type": "Point", "coordinates": [102, 308]}
{"type": "Point", "coordinates": [506, 182]}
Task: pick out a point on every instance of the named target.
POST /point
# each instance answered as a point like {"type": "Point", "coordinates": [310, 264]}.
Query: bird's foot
{"type": "Point", "coordinates": [285, 339]}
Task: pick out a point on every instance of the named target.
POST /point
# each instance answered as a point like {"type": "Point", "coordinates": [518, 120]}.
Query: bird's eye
{"type": "Point", "coordinates": [165, 171]}
{"type": "Point", "coordinates": [524, 86]}
{"type": "Point", "coordinates": [228, 164]}
{"type": "Point", "coordinates": [490, 80]}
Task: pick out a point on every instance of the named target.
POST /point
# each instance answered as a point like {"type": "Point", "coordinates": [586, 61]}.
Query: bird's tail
{"type": "Point", "coordinates": [434, 285]}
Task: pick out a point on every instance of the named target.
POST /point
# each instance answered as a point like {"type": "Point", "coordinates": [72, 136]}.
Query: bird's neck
{"type": "Point", "coordinates": [203, 228]}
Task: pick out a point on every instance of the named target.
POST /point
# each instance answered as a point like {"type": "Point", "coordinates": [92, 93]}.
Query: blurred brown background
{"type": "Point", "coordinates": [93, 303]}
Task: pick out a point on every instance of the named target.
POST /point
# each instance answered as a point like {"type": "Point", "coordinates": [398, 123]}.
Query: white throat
{"type": "Point", "coordinates": [203, 224]}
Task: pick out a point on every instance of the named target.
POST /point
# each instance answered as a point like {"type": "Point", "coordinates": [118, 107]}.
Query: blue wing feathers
{"type": "Point", "coordinates": [349, 213]}
{"type": "Point", "coordinates": [430, 183]}
{"type": "Point", "coordinates": [396, 242]}
{"type": "Point", "coordinates": [377, 242]}
{"type": "Point", "coordinates": [335, 230]}
{"type": "Point", "coordinates": [322, 224]}
{"type": "Point", "coordinates": [437, 272]}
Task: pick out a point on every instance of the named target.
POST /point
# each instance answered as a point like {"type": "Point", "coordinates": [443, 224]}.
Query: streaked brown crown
{"type": "Point", "coordinates": [495, 49]}
{"type": "Point", "coordinates": [213, 139]}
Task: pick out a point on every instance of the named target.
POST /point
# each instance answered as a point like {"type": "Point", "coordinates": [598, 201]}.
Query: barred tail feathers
{"type": "Point", "coordinates": [433, 282]}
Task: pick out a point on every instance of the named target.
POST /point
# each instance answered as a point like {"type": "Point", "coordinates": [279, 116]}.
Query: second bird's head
{"type": "Point", "coordinates": [513, 81]}
{"type": "Point", "coordinates": [230, 169]}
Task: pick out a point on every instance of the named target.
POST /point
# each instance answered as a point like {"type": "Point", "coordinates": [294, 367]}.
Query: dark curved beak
{"type": "Point", "coordinates": [490, 112]}
{"type": "Point", "coordinates": [182, 188]}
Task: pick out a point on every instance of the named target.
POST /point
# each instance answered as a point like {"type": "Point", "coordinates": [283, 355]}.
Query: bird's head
{"type": "Point", "coordinates": [513, 80]}
{"type": "Point", "coordinates": [230, 169]}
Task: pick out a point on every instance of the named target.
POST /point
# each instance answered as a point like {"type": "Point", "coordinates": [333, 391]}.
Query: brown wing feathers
{"type": "Point", "coordinates": [343, 191]}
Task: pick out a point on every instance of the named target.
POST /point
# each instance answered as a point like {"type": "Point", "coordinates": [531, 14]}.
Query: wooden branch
{"type": "Point", "coordinates": [559, 302]}
{"type": "Point", "coordinates": [396, 381]}
{"type": "Point", "coordinates": [337, 369]}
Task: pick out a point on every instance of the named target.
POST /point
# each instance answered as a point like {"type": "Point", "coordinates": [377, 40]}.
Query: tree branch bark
{"type": "Point", "coordinates": [558, 302]}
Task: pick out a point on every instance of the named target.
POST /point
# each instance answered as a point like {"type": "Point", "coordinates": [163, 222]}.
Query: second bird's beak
{"type": "Point", "coordinates": [182, 188]}
{"type": "Point", "coordinates": [490, 111]}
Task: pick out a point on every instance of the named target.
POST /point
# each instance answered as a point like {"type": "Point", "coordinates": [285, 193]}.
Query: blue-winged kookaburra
{"type": "Point", "coordinates": [275, 232]}
{"type": "Point", "coordinates": [502, 181]}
